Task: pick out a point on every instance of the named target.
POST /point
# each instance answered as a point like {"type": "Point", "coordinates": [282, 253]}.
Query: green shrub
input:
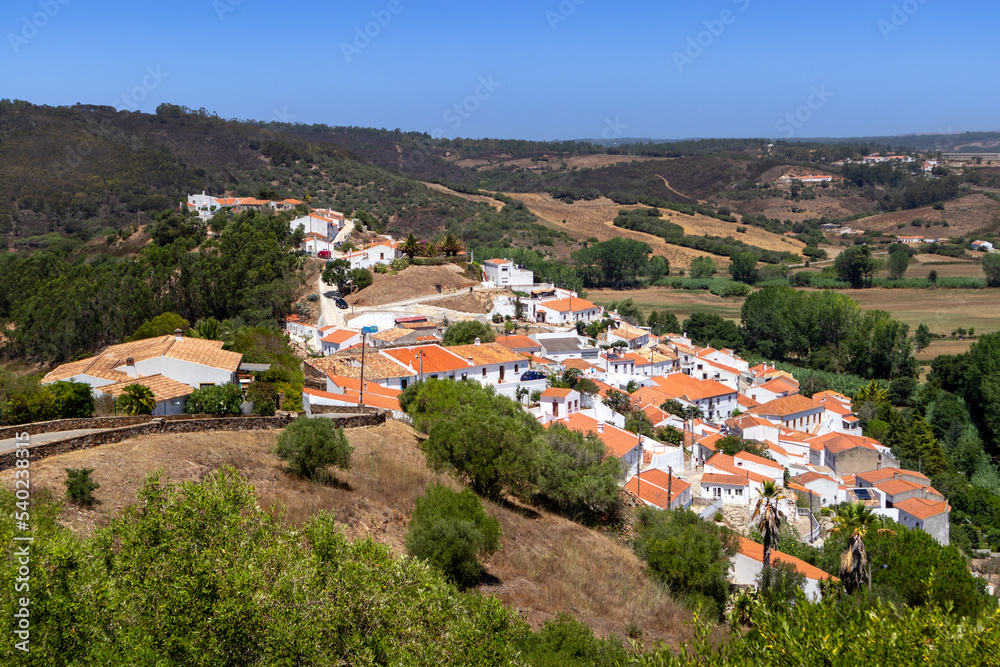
{"type": "Point", "coordinates": [466, 333]}
{"type": "Point", "coordinates": [310, 446]}
{"type": "Point", "coordinates": [79, 487]}
{"type": "Point", "coordinates": [220, 399]}
{"type": "Point", "coordinates": [566, 642]}
{"type": "Point", "coordinates": [264, 397]}
{"type": "Point", "coordinates": [451, 531]}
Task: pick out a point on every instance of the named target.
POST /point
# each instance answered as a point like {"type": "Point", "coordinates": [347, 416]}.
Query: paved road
{"type": "Point", "coordinates": [9, 445]}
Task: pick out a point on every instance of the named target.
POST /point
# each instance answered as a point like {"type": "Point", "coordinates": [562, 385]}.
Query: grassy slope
{"type": "Point", "coordinates": [547, 564]}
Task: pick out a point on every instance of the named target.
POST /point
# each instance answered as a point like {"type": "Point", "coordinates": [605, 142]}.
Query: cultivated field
{"type": "Point", "coordinates": [546, 564]}
{"type": "Point", "coordinates": [586, 219]}
{"type": "Point", "coordinates": [942, 310]}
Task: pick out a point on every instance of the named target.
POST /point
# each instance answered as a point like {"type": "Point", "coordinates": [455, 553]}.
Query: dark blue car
{"type": "Point", "coordinates": [532, 375]}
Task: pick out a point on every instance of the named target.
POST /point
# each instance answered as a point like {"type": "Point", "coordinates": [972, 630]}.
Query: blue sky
{"type": "Point", "coordinates": [548, 69]}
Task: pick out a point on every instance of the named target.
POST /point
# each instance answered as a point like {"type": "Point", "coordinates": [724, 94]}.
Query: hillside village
{"type": "Point", "coordinates": [698, 401]}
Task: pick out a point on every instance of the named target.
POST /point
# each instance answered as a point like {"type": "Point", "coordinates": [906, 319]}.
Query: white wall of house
{"type": "Point", "coordinates": [666, 457]}
{"type": "Point", "coordinates": [186, 372]}
{"type": "Point", "coordinates": [508, 275]}
{"type": "Point", "coordinates": [745, 571]}
{"type": "Point", "coordinates": [828, 490]}
{"type": "Point", "coordinates": [718, 408]}
{"type": "Point", "coordinates": [729, 494]}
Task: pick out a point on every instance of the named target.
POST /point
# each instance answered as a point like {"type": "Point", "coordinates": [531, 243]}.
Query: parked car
{"type": "Point", "coordinates": [532, 375]}
{"type": "Point", "coordinates": [340, 303]}
{"type": "Point", "coordinates": [323, 254]}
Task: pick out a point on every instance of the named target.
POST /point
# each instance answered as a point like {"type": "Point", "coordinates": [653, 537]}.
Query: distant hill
{"type": "Point", "coordinates": [964, 142]}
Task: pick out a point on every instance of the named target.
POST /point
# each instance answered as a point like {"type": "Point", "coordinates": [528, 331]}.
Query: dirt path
{"type": "Point", "coordinates": [677, 192]}
{"type": "Point", "coordinates": [479, 199]}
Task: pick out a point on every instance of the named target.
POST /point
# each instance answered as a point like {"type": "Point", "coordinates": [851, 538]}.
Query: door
{"type": "Point", "coordinates": [502, 367]}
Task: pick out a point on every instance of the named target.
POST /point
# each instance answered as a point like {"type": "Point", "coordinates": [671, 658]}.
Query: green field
{"type": "Point", "coordinates": [942, 310]}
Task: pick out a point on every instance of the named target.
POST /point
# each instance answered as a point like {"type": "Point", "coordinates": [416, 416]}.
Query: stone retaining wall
{"type": "Point", "coordinates": [84, 423]}
{"type": "Point", "coordinates": [343, 409]}
{"type": "Point", "coordinates": [164, 425]}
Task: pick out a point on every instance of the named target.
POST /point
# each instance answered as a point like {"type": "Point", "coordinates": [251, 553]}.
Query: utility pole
{"type": "Point", "coordinates": [638, 465]}
{"type": "Point", "coordinates": [670, 485]}
{"type": "Point", "coordinates": [361, 400]}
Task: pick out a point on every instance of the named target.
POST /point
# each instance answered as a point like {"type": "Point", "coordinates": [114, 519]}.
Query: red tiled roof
{"type": "Point", "coordinates": [922, 508]}
{"type": "Point", "coordinates": [618, 442]}
{"type": "Point", "coordinates": [340, 336]}
{"type": "Point", "coordinates": [654, 487]}
{"type": "Point", "coordinates": [755, 550]}
{"type": "Point", "coordinates": [557, 392]}
{"type": "Point", "coordinates": [518, 343]}
{"type": "Point", "coordinates": [435, 359]}
{"type": "Point", "coordinates": [759, 460]}
{"type": "Point", "coordinates": [370, 399]}
{"type": "Point", "coordinates": [568, 305]}
{"type": "Point", "coordinates": [728, 480]}
{"type": "Point", "coordinates": [788, 405]}
{"type": "Point", "coordinates": [691, 388]}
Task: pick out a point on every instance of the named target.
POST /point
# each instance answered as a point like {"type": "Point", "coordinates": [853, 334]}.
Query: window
{"type": "Point", "coordinates": [484, 371]}
{"type": "Point", "coordinates": [465, 376]}
{"type": "Point", "coordinates": [202, 385]}
{"type": "Point", "coordinates": [739, 492]}
{"type": "Point", "coordinates": [717, 492]}
{"type": "Point", "coordinates": [515, 368]}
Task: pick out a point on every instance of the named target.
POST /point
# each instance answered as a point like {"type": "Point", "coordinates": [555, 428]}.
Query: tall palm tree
{"type": "Point", "coordinates": [452, 246]}
{"type": "Point", "coordinates": [767, 518]}
{"type": "Point", "coordinates": [138, 399]}
{"type": "Point", "coordinates": [410, 246]}
{"type": "Point", "coordinates": [855, 520]}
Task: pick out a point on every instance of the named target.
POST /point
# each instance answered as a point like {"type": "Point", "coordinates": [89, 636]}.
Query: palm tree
{"type": "Point", "coordinates": [430, 249]}
{"type": "Point", "coordinates": [138, 399]}
{"type": "Point", "coordinates": [767, 518]}
{"type": "Point", "coordinates": [410, 246]}
{"type": "Point", "coordinates": [452, 246]}
{"type": "Point", "coordinates": [855, 520]}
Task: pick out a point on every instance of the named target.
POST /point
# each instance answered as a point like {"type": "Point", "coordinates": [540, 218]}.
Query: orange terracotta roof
{"type": "Point", "coordinates": [579, 364]}
{"type": "Point", "coordinates": [728, 465]}
{"type": "Point", "coordinates": [922, 508]}
{"type": "Point", "coordinates": [370, 399]}
{"type": "Point", "coordinates": [896, 486]}
{"type": "Point", "coordinates": [163, 388]}
{"type": "Point", "coordinates": [557, 392]}
{"type": "Point", "coordinates": [487, 353]}
{"type": "Point", "coordinates": [882, 474]}
{"type": "Point", "coordinates": [651, 396]}
{"type": "Point", "coordinates": [391, 335]}
{"type": "Point", "coordinates": [811, 476]}
{"type": "Point", "coordinates": [841, 442]}
{"type": "Point", "coordinates": [778, 385]}
{"type": "Point", "coordinates": [653, 489]}
{"type": "Point", "coordinates": [435, 359]}
{"type": "Point", "coordinates": [759, 460]}
{"type": "Point", "coordinates": [747, 421]}
{"type": "Point", "coordinates": [518, 342]}
{"type": "Point", "coordinates": [195, 350]}
{"type": "Point", "coordinates": [618, 442]}
{"type": "Point", "coordinates": [746, 401]}
{"type": "Point", "coordinates": [728, 480]}
{"type": "Point", "coordinates": [339, 336]}
{"type": "Point", "coordinates": [347, 363]}
{"type": "Point", "coordinates": [755, 550]}
{"type": "Point", "coordinates": [497, 260]}
{"type": "Point", "coordinates": [693, 389]}
{"type": "Point", "coordinates": [354, 384]}
{"type": "Point", "coordinates": [568, 305]}
{"type": "Point", "coordinates": [788, 405]}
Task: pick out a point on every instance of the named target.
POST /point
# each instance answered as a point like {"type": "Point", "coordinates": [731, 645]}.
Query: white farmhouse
{"type": "Point", "coordinates": [504, 273]}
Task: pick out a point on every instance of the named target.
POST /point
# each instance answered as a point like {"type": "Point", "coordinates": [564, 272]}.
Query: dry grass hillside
{"type": "Point", "coordinates": [966, 215]}
{"type": "Point", "coordinates": [410, 283]}
{"type": "Point", "coordinates": [595, 218]}
{"type": "Point", "coordinates": [480, 199]}
{"type": "Point", "coordinates": [546, 565]}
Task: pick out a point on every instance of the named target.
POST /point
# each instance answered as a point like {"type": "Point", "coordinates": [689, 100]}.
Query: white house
{"type": "Point", "coordinates": [716, 400]}
{"type": "Point", "coordinates": [730, 489]}
{"type": "Point", "coordinates": [170, 395]}
{"type": "Point", "coordinates": [930, 516]}
{"type": "Point", "coordinates": [557, 402]}
{"type": "Point", "coordinates": [191, 361]}
{"type": "Point", "coordinates": [504, 273]}
{"type": "Point", "coordinates": [985, 246]}
{"type": "Point", "coordinates": [567, 311]}
{"type": "Point", "coordinates": [824, 487]}
{"type": "Point", "coordinates": [634, 337]}
{"type": "Point", "coordinates": [749, 561]}
{"type": "Point", "coordinates": [335, 339]}
{"type": "Point", "coordinates": [660, 489]}
{"type": "Point", "coordinates": [561, 346]}
{"type": "Point", "coordinates": [760, 465]}
{"type": "Point", "coordinates": [750, 427]}
{"type": "Point", "coordinates": [620, 443]}
{"type": "Point", "coordinates": [318, 224]}
{"type": "Point", "coordinates": [795, 412]}
{"type": "Point", "coordinates": [378, 253]}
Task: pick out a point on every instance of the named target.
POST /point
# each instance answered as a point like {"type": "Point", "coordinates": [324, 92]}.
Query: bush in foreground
{"type": "Point", "coordinates": [79, 487]}
{"type": "Point", "coordinates": [451, 531]}
{"type": "Point", "coordinates": [310, 446]}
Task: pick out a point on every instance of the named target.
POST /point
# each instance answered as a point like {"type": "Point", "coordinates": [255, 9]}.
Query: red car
{"type": "Point", "coordinates": [323, 254]}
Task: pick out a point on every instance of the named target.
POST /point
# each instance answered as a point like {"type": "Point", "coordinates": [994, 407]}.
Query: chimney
{"type": "Point", "coordinates": [478, 342]}
{"type": "Point", "coordinates": [470, 359]}
{"type": "Point", "coordinates": [178, 336]}
{"type": "Point", "coordinates": [895, 474]}
{"type": "Point", "coordinates": [600, 427]}
{"type": "Point", "coordinates": [130, 368]}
